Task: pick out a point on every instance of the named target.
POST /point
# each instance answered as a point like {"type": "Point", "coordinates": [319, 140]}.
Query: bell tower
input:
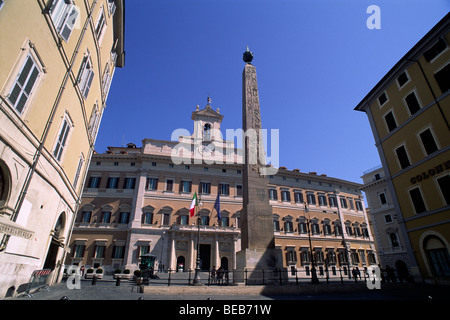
{"type": "Point", "coordinates": [207, 123]}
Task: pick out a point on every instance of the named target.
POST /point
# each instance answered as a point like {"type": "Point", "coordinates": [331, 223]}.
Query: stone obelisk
{"type": "Point", "coordinates": [257, 237]}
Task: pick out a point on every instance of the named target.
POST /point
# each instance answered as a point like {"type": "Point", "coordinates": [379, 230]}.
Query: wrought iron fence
{"type": "Point", "coordinates": [281, 277]}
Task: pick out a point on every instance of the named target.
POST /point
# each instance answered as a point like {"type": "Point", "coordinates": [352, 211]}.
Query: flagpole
{"type": "Point", "coordinates": [196, 281]}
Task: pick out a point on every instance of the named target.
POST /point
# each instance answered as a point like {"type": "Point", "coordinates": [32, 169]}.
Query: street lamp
{"type": "Point", "coordinates": [314, 279]}
{"type": "Point", "coordinates": [196, 281]}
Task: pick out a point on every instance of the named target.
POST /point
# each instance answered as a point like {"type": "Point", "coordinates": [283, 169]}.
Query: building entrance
{"type": "Point", "coordinates": [205, 256]}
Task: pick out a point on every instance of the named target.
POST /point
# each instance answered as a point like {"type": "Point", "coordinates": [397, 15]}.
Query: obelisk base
{"type": "Point", "coordinates": [259, 266]}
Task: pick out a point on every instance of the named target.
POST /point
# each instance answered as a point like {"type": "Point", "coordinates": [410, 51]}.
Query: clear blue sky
{"type": "Point", "coordinates": [315, 61]}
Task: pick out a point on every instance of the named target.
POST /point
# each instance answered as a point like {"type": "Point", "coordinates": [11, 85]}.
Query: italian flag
{"type": "Point", "coordinates": [193, 204]}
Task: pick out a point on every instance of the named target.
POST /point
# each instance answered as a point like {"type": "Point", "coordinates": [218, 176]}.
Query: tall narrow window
{"type": "Point", "coordinates": [129, 183]}
{"type": "Point", "coordinates": [62, 139]}
{"type": "Point", "coordinates": [94, 121]}
{"type": "Point", "coordinates": [402, 157]}
{"type": "Point", "coordinates": [86, 75]}
{"type": "Point", "coordinates": [224, 189]}
{"type": "Point", "coordinates": [24, 84]}
{"type": "Point", "coordinates": [417, 200]}
{"type": "Point", "coordinates": [205, 187]}
{"type": "Point", "coordinates": [273, 194]}
{"type": "Point", "coordinates": [77, 174]}
{"type": "Point", "coordinates": [412, 103]}
{"type": "Point", "coordinates": [207, 132]}
{"type": "Point", "coordinates": [444, 185]}
{"type": "Point", "coordinates": [152, 184]}
{"type": "Point", "coordinates": [435, 50]}
{"type": "Point", "coordinates": [428, 141]}
{"type": "Point", "coordinates": [390, 121]}
{"type": "Point", "coordinates": [101, 25]}
{"type": "Point", "coordinates": [64, 16]}
{"type": "Point", "coordinates": [443, 78]}
{"type": "Point", "coordinates": [169, 185]}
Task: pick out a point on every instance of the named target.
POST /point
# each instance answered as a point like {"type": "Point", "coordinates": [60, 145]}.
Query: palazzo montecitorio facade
{"type": "Point", "coordinates": [136, 201]}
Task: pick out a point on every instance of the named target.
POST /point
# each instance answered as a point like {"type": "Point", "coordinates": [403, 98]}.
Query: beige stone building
{"type": "Point", "coordinates": [57, 60]}
{"type": "Point", "coordinates": [136, 201]}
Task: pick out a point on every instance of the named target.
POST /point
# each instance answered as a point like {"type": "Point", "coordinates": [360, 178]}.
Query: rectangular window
{"type": "Point", "coordinates": [205, 187]}
{"type": "Point", "coordinates": [285, 195]}
{"type": "Point", "coordinates": [402, 157]}
{"type": "Point", "coordinates": [204, 221]}
{"type": "Point", "coordinates": [129, 183]}
{"type": "Point", "coordinates": [332, 200]}
{"type": "Point", "coordinates": [239, 190]}
{"type": "Point", "coordinates": [343, 203]}
{"type": "Point", "coordinates": [273, 195]}
{"type": "Point", "coordinates": [416, 197]}
{"type": "Point", "coordinates": [99, 252]}
{"type": "Point", "coordinates": [94, 121]}
{"type": "Point", "coordinates": [24, 84]}
{"type": "Point", "coordinates": [225, 222]}
{"type": "Point", "coordinates": [390, 121]}
{"type": "Point", "coordinates": [152, 184]}
{"type": "Point", "coordinates": [124, 217]}
{"type": "Point", "coordinates": [185, 186]}
{"type": "Point", "coordinates": [443, 78]}
{"type": "Point", "coordinates": [288, 226]}
{"type": "Point", "coordinates": [112, 183]}
{"type": "Point", "coordinates": [78, 173]}
{"type": "Point", "coordinates": [86, 75]}
{"type": "Point", "coordinates": [148, 218]}
{"type": "Point", "coordinates": [86, 216]}
{"type": "Point", "coordinates": [79, 251]}
{"type": "Point", "coordinates": [302, 227]}
{"type": "Point", "coordinates": [100, 26]}
{"type": "Point", "coordinates": [276, 225]}
{"type": "Point", "coordinates": [106, 217]}
{"type": "Point", "coordinates": [298, 196]}
{"type": "Point", "coordinates": [169, 185]}
{"type": "Point", "coordinates": [387, 218]}
{"type": "Point", "coordinates": [184, 220]}
{"type": "Point", "coordinates": [350, 203]}
{"type": "Point", "coordinates": [315, 228]}
{"type": "Point", "coordinates": [359, 206]}
{"type": "Point", "coordinates": [118, 252]}
{"type": "Point", "coordinates": [94, 182]}
{"type": "Point", "coordinates": [64, 16]}
{"type": "Point", "coordinates": [322, 200]}
{"type": "Point", "coordinates": [382, 99]}
{"type": "Point", "coordinates": [106, 81]}
{"type": "Point", "coordinates": [435, 50]}
{"type": "Point", "coordinates": [311, 198]}
{"type": "Point", "coordinates": [412, 103]}
{"type": "Point", "coordinates": [224, 189]}
{"type": "Point", "coordinates": [62, 139]}
{"type": "Point", "coordinates": [382, 197]}
{"type": "Point", "coordinates": [428, 141]}
{"type": "Point", "coordinates": [444, 185]}
{"type": "Point", "coordinates": [402, 79]}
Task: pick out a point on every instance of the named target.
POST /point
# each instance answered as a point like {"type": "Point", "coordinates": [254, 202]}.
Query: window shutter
{"type": "Point", "coordinates": [69, 23]}
{"type": "Point", "coordinates": [88, 84]}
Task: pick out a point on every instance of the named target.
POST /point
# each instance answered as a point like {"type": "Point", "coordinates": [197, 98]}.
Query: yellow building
{"type": "Point", "coordinates": [136, 201]}
{"type": "Point", "coordinates": [409, 112]}
{"type": "Point", "coordinates": [57, 60]}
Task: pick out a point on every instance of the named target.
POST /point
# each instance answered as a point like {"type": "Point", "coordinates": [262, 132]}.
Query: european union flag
{"type": "Point", "coordinates": [217, 207]}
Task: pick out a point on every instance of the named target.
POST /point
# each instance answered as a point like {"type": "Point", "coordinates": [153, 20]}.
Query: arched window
{"type": "Point", "coordinates": [438, 256]}
{"type": "Point", "coordinates": [207, 132]}
{"type": "Point", "coordinates": [394, 240]}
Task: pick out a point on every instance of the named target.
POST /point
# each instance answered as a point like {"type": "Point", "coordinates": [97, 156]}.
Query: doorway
{"type": "Point", "coordinates": [205, 256]}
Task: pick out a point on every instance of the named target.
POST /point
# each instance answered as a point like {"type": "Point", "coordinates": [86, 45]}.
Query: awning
{"type": "Point", "coordinates": [12, 228]}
